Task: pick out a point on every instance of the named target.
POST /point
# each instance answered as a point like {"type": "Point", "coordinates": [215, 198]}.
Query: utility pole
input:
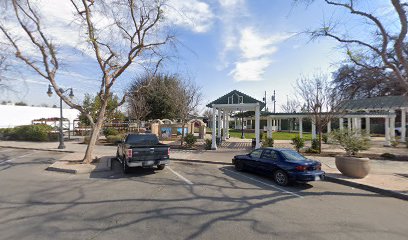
{"type": "Point", "coordinates": [264, 99]}
{"type": "Point", "coordinates": [273, 100]}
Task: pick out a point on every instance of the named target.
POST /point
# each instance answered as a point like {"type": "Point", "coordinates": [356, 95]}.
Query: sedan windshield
{"type": "Point", "coordinates": [292, 155]}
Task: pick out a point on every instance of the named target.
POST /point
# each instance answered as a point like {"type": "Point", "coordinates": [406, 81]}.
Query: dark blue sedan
{"type": "Point", "coordinates": [285, 165]}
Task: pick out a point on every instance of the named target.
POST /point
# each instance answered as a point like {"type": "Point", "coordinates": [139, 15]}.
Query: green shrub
{"type": "Point", "coordinates": [394, 143]}
{"type": "Point", "coordinates": [110, 132]}
{"type": "Point", "coordinates": [190, 140]}
{"type": "Point", "coordinates": [315, 145]}
{"type": "Point", "coordinates": [113, 139]}
{"type": "Point", "coordinates": [311, 150]}
{"type": "Point", "coordinates": [37, 133]}
{"type": "Point", "coordinates": [351, 141]}
{"type": "Point", "coordinates": [388, 155]}
{"type": "Point", "coordinates": [261, 135]}
{"type": "Point", "coordinates": [268, 142]}
{"type": "Point", "coordinates": [298, 142]}
{"type": "Point", "coordinates": [208, 144]}
{"type": "Point", "coordinates": [87, 139]}
{"type": "Point", "coordinates": [325, 138]}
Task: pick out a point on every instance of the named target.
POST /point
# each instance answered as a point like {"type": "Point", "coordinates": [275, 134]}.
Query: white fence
{"type": "Point", "coordinates": [11, 116]}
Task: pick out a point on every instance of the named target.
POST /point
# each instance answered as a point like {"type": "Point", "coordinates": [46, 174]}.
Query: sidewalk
{"type": "Point", "coordinates": [71, 162]}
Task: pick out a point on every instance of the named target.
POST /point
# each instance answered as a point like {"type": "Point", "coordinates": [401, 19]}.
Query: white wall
{"type": "Point", "coordinates": [11, 116]}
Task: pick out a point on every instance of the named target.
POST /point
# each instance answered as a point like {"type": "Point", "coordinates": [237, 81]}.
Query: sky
{"type": "Point", "coordinates": [249, 45]}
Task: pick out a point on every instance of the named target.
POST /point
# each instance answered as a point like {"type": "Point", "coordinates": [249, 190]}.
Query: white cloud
{"type": "Point", "coordinates": [231, 3]}
{"type": "Point", "coordinates": [192, 14]}
{"type": "Point", "coordinates": [250, 70]}
{"type": "Point", "coordinates": [255, 54]}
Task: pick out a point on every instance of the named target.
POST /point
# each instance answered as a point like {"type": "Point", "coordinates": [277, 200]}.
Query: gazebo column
{"type": "Point", "coordinates": [328, 127]}
{"type": "Point", "coordinates": [214, 124]}
{"type": "Point", "coordinates": [219, 123]}
{"type": "Point", "coordinates": [227, 125]}
{"type": "Point", "coordinates": [392, 126]}
{"type": "Point", "coordinates": [403, 124]}
{"type": "Point", "coordinates": [313, 130]}
{"type": "Point", "coordinates": [279, 124]}
{"type": "Point", "coordinates": [349, 124]}
{"type": "Point", "coordinates": [387, 132]}
{"type": "Point", "coordinates": [257, 125]}
{"type": "Point", "coordinates": [301, 127]}
{"type": "Point", "coordinates": [235, 125]}
{"type": "Point", "coordinates": [341, 123]}
{"type": "Point", "coordinates": [224, 126]}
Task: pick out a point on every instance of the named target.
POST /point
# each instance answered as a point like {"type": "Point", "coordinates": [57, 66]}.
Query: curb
{"type": "Point", "coordinates": [388, 193]}
{"type": "Point", "coordinates": [199, 161]}
{"type": "Point", "coordinates": [63, 170]}
{"type": "Point", "coordinates": [40, 149]}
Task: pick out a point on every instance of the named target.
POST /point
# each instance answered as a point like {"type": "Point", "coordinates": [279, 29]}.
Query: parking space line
{"type": "Point", "coordinates": [180, 176]}
{"type": "Point", "coordinates": [12, 159]}
{"type": "Point", "coordinates": [264, 183]}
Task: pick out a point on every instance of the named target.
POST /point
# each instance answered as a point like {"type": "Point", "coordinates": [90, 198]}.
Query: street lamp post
{"type": "Point", "coordinates": [61, 132]}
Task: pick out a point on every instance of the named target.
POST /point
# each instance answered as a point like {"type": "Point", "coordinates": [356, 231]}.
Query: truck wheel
{"type": "Point", "coordinates": [161, 167]}
{"type": "Point", "coordinates": [126, 168]}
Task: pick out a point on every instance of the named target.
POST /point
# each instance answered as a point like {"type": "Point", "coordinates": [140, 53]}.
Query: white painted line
{"type": "Point", "coordinates": [12, 159]}
{"type": "Point", "coordinates": [180, 176]}
{"type": "Point", "coordinates": [264, 183]}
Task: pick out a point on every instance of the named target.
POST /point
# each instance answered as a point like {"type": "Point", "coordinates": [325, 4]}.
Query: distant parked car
{"type": "Point", "coordinates": [285, 165]}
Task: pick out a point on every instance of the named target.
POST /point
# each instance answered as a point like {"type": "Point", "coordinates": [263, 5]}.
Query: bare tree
{"type": "Point", "coordinates": [386, 42]}
{"type": "Point", "coordinates": [291, 106]}
{"type": "Point", "coordinates": [316, 93]}
{"type": "Point", "coordinates": [188, 98]}
{"type": "Point", "coordinates": [133, 34]}
{"type": "Point", "coordinates": [138, 108]}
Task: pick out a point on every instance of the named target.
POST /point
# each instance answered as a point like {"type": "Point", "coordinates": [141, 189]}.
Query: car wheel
{"type": "Point", "coordinates": [126, 168]}
{"type": "Point", "coordinates": [239, 166]}
{"type": "Point", "coordinates": [281, 178]}
{"type": "Point", "coordinates": [161, 166]}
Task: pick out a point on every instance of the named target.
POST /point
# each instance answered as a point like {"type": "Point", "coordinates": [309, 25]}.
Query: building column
{"type": "Point", "coordinates": [355, 124]}
{"type": "Point", "coordinates": [301, 127]}
{"type": "Point", "coordinates": [349, 124]}
{"type": "Point", "coordinates": [279, 124]}
{"type": "Point", "coordinates": [257, 125]}
{"type": "Point", "coordinates": [387, 132]}
{"type": "Point", "coordinates": [235, 126]}
{"type": "Point", "coordinates": [269, 127]}
{"type": "Point", "coordinates": [214, 125]}
{"type": "Point", "coordinates": [313, 130]}
{"type": "Point", "coordinates": [341, 123]}
{"type": "Point", "coordinates": [392, 127]}
{"type": "Point", "coordinates": [403, 124]}
{"type": "Point", "coordinates": [328, 127]}
{"type": "Point", "coordinates": [368, 129]}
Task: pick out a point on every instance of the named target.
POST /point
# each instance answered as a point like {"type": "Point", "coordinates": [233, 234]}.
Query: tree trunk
{"type": "Point", "coordinates": [182, 133]}
{"type": "Point", "coordinates": [95, 134]}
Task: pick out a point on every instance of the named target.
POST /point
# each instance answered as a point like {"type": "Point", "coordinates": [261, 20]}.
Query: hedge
{"type": "Point", "coordinates": [36, 133]}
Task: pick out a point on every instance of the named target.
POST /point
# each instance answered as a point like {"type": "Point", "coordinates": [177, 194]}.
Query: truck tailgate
{"type": "Point", "coordinates": [149, 153]}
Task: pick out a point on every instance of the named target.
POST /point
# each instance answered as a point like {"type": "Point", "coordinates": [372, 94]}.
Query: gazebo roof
{"type": "Point", "coordinates": [236, 97]}
{"type": "Point", "coordinates": [376, 103]}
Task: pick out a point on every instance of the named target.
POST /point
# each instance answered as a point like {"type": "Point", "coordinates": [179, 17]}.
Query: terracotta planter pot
{"type": "Point", "coordinates": [353, 166]}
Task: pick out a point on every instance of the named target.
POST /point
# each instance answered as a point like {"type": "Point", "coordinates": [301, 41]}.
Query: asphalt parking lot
{"type": "Point", "coordinates": [185, 201]}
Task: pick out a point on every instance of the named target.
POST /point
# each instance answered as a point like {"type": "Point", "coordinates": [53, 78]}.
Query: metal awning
{"type": "Point", "coordinates": [375, 103]}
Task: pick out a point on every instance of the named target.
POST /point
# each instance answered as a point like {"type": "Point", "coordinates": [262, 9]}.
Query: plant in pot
{"type": "Point", "coordinates": [352, 142]}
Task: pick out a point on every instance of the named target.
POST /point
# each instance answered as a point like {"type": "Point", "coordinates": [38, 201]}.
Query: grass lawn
{"type": "Point", "coordinates": [276, 135]}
